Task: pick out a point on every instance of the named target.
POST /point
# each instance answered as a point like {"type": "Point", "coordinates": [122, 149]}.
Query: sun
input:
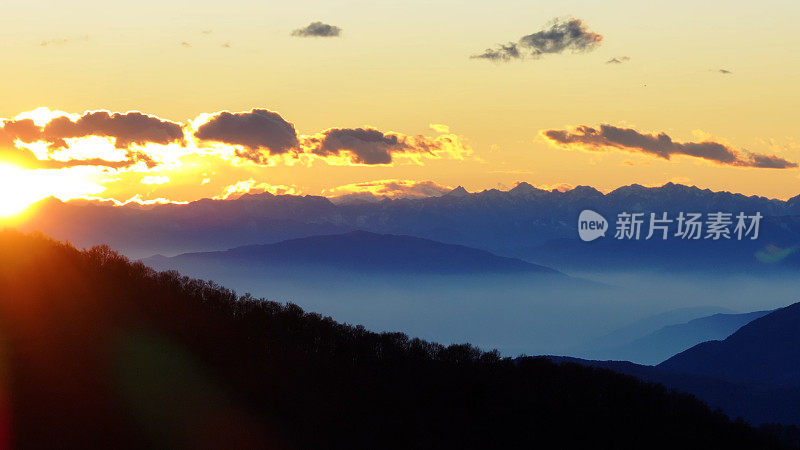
{"type": "Point", "coordinates": [16, 192]}
{"type": "Point", "coordinates": [21, 187]}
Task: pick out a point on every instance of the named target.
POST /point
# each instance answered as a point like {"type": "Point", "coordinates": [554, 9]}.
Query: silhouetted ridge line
{"type": "Point", "coordinates": [370, 252]}
{"type": "Point", "coordinates": [103, 352]}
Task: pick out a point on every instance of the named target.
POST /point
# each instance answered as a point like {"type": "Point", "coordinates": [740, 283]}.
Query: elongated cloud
{"type": "Point", "coordinates": [370, 146]}
{"type": "Point", "coordinates": [618, 60]}
{"type": "Point", "coordinates": [558, 36]}
{"type": "Point", "coordinates": [609, 137]}
{"type": "Point", "coordinates": [261, 133]}
{"type": "Point", "coordinates": [250, 186]}
{"type": "Point", "coordinates": [126, 129]}
{"type": "Point", "coordinates": [27, 158]}
{"type": "Point", "coordinates": [380, 189]}
{"type": "Point", "coordinates": [317, 29]}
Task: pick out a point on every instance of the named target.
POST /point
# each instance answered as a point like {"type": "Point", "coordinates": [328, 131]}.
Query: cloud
{"type": "Point", "coordinates": [53, 139]}
{"type": "Point", "coordinates": [26, 158]}
{"type": "Point", "coordinates": [126, 129]}
{"type": "Point", "coordinates": [261, 133]}
{"type": "Point", "coordinates": [724, 71]}
{"type": "Point", "coordinates": [439, 128]}
{"type": "Point", "coordinates": [503, 52]}
{"type": "Point", "coordinates": [250, 186]}
{"type": "Point", "coordinates": [185, 44]}
{"type": "Point", "coordinates": [24, 130]}
{"type": "Point", "coordinates": [560, 187]}
{"type": "Point", "coordinates": [610, 137]}
{"type": "Point", "coordinates": [618, 60]}
{"type": "Point", "coordinates": [558, 36]}
{"type": "Point", "coordinates": [379, 189]}
{"type": "Point", "coordinates": [369, 146]}
{"type": "Point", "coordinates": [318, 29]}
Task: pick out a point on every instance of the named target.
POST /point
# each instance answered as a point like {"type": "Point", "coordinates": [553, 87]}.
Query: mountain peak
{"type": "Point", "coordinates": [524, 188]}
{"type": "Point", "coordinates": [457, 192]}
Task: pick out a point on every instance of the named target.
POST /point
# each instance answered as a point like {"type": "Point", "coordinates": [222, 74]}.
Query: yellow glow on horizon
{"type": "Point", "coordinates": [20, 188]}
{"type": "Point", "coordinates": [16, 196]}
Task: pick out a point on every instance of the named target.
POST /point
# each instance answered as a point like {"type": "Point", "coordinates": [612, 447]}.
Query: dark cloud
{"type": "Point", "coordinates": [24, 130]}
{"type": "Point", "coordinates": [502, 52]}
{"type": "Point", "coordinates": [661, 145]}
{"type": "Point", "coordinates": [371, 146]}
{"type": "Point", "coordinates": [126, 129]}
{"type": "Point", "coordinates": [724, 71]}
{"type": "Point", "coordinates": [559, 36]}
{"type": "Point", "coordinates": [366, 145]}
{"type": "Point", "coordinates": [318, 29]}
{"type": "Point", "coordinates": [618, 60]}
{"type": "Point", "coordinates": [258, 131]}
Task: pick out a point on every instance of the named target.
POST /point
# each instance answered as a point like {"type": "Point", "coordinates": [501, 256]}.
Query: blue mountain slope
{"type": "Point", "coordinates": [669, 340]}
{"type": "Point", "coordinates": [767, 351]}
{"type": "Point", "coordinates": [607, 346]}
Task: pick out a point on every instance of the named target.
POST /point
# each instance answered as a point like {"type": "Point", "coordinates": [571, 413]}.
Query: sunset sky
{"type": "Point", "coordinates": [432, 94]}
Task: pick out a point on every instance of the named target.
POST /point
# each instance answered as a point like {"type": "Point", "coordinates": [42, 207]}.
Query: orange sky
{"type": "Point", "coordinates": [403, 70]}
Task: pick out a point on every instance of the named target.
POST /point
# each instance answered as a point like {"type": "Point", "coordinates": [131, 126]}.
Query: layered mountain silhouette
{"type": "Point", "coordinates": [657, 346]}
{"type": "Point", "coordinates": [363, 251]}
{"type": "Point", "coordinates": [525, 222]}
{"type": "Point", "coordinates": [754, 373]}
{"type": "Point", "coordinates": [102, 352]}
{"type": "Point", "coordinates": [602, 347]}
{"type": "Point", "coordinates": [755, 403]}
{"type": "Point", "coordinates": [766, 350]}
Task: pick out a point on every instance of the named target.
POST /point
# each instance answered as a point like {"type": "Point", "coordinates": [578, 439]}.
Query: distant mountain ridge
{"type": "Point", "coordinates": [653, 339]}
{"type": "Point", "coordinates": [754, 373]}
{"type": "Point", "coordinates": [671, 339]}
{"type": "Point", "coordinates": [523, 222]}
{"type": "Point", "coordinates": [366, 252]}
{"type": "Point", "coordinates": [766, 350]}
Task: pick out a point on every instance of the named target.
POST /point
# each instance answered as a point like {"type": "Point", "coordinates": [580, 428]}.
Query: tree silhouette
{"type": "Point", "coordinates": [96, 350]}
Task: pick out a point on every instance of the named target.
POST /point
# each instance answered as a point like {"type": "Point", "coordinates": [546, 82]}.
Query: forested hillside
{"type": "Point", "coordinates": [98, 351]}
